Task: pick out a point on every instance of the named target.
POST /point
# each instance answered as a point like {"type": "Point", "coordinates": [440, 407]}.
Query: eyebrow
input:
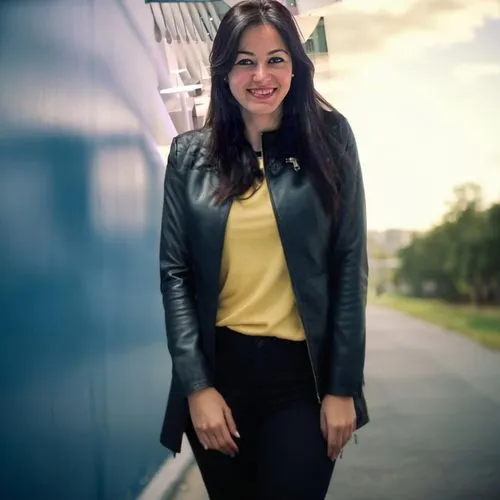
{"type": "Point", "coordinates": [248, 53]}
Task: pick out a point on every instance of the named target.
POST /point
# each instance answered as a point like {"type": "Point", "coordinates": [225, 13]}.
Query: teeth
{"type": "Point", "coordinates": [262, 92]}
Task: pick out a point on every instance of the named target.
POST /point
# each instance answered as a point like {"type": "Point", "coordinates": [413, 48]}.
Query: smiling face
{"type": "Point", "coordinates": [262, 73]}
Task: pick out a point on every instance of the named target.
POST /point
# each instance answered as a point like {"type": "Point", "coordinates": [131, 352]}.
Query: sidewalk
{"type": "Point", "coordinates": [434, 401]}
{"type": "Point", "coordinates": [191, 488]}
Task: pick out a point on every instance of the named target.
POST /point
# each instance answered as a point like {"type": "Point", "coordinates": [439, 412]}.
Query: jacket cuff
{"type": "Point", "coordinates": [197, 386]}
{"type": "Point", "coordinates": [193, 373]}
{"type": "Point", "coordinates": [346, 388]}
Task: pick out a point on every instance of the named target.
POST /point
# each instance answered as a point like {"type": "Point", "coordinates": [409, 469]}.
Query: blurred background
{"type": "Point", "coordinates": [91, 95]}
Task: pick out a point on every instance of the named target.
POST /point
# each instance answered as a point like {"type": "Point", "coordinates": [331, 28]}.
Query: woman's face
{"type": "Point", "coordinates": [262, 73]}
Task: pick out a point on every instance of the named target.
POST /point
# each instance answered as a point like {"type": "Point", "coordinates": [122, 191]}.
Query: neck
{"type": "Point", "coordinates": [255, 125]}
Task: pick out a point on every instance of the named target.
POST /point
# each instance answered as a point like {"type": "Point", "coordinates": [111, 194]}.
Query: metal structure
{"type": "Point", "coordinates": [185, 31]}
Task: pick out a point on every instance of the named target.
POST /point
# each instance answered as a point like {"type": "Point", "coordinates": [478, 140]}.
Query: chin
{"type": "Point", "coordinates": [263, 112]}
{"type": "Point", "coordinates": [263, 109]}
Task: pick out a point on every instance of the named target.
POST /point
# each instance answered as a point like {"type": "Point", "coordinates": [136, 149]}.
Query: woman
{"type": "Point", "coordinates": [264, 271]}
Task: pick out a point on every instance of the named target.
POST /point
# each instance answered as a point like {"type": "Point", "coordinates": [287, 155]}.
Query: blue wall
{"type": "Point", "coordinates": [84, 367]}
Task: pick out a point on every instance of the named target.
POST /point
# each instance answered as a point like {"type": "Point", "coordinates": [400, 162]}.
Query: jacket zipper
{"type": "Point", "coordinates": [296, 167]}
{"type": "Point", "coordinates": [294, 162]}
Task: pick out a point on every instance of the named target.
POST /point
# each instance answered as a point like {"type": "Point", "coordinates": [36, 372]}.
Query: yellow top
{"type": "Point", "coordinates": [256, 296]}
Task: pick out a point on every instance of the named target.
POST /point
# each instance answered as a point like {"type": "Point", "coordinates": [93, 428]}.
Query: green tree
{"type": "Point", "coordinates": [460, 258]}
{"type": "Point", "coordinates": [492, 252]}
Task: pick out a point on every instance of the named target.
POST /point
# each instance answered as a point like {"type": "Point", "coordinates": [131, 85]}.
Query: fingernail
{"type": "Point", "coordinates": [237, 434]}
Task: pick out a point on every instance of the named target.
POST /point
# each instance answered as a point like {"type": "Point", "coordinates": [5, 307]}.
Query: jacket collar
{"type": "Point", "coordinates": [281, 145]}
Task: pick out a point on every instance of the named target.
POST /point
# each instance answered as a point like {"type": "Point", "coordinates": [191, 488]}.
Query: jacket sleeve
{"type": "Point", "coordinates": [176, 282]}
{"type": "Point", "coordinates": [350, 271]}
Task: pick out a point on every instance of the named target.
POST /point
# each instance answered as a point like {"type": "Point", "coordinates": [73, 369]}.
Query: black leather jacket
{"type": "Point", "coordinates": [327, 262]}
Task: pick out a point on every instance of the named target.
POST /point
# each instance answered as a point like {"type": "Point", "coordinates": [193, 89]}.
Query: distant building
{"type": "Point", "coordinates": [383, 247]}
{"type": "Point", "coordinates": [387, 243]}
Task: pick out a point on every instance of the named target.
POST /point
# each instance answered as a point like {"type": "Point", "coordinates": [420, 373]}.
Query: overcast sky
{"type": "Point", "coordinates": [419, 81]}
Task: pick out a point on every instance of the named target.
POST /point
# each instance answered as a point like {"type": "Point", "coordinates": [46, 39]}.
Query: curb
{"type": "Point", "coordinates": [164, 483]}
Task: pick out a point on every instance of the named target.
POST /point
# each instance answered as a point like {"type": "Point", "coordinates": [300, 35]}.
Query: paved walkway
{"type": "Point", "coordinates": [435, 408]}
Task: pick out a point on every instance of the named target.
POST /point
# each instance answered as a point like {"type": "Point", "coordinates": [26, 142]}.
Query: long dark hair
{"type": "Point", "coordinates": [228, 146]}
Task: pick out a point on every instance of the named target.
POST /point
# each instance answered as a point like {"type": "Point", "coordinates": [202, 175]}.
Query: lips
{"type": "Point", "coordinates": [262, 93]}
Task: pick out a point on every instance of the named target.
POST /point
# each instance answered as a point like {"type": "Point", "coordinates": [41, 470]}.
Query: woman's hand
{"type": "Point", "coordinates": [338, 422]}
{"type": "Point", "coordinates": [213, 421]}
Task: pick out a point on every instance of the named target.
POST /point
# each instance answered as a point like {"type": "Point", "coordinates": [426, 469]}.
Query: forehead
{"type": "Point", "coordinates": [262, 38]}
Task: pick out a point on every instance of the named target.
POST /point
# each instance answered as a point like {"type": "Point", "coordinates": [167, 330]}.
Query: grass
{"type": "Point", "coordinates": [479, 324]}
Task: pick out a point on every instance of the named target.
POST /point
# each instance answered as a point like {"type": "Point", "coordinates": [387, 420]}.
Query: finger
{"type": "Point", "coordinates": [323, 426]}
{"type": "Point", "coordinates": [219, 445]}
{"type": "Point", "coordinates": [332, 442]}
{"type": "Point", "coordinates": [211, 437]}
{"type": "Point", "coordinates": [222, 444]}
{"type": "Point", "coordinates": [228, 440]}
{"type": "Point", "coordinates": [346, 435]}
{"type": "Point", "coordinates": [228, 415]}
{"type": "Point", "coordinates": [203, 440]}
{"type": "Point", "coordinates": [350, 429]}
{"type": "Point", "coordinates": [337, 433]}
{"type": "Point", "coordinates": [202, 437]}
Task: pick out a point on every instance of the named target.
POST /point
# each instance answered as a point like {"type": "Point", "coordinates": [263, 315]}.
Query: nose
{"type": "Point", "coordinates": [261, 73]}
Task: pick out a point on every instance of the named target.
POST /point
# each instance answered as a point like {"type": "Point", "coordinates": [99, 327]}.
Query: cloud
{"type": "Point", "coordinates": [360, 30]}
{"type": "Point", "coordinates": [470, 72]}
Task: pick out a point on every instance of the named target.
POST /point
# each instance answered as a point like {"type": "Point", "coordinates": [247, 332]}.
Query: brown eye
{"type": "Point", "coordinates": [244, 62]}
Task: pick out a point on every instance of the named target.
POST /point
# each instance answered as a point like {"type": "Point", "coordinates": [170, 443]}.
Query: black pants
{"type": "Point", "coordinates": [269, 386]}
